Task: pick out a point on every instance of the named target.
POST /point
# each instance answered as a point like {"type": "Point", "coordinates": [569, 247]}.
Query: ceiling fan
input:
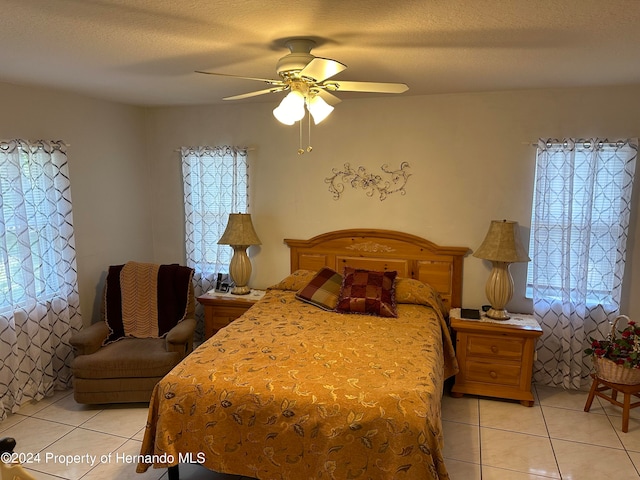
{"type": "Point", "coordinates": [307, 78]}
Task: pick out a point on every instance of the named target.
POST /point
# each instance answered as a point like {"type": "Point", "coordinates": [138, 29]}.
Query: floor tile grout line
{"type": "Point", "coordinates": [538, 435]}
{"type": "Point", "coordinates": [479, 418]}
{"type": "Point", "coordinates": [546, 426]}
{"type": "Point", "coordinates": [11, 426]}
{"type": "Point", "coordinates": [618, 449]}
{"type": "Point", "coordinates": [80, 427]}
{"type": "Point", "coordinates": [460, 423]}
{"type": "Point", "coordinates": [633, 463]}
{"type": "Point", "coordinates": [62, 397]}
{"type": "Point", "coordinates": [525, 473]}
{"type": "Point", "coordinates": [574, 410]}
{"type": "Point", "coordinates": [626, 450]}
{"type": "Point", "coordinates": [57, 422]}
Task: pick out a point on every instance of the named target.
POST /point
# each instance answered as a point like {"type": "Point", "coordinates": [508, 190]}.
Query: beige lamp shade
{"type": "Point", "coordinates": [240, 234]}
{"type": "Point", "coordinates": [502, 246]}
{"type": "Point", "coordinates": [239, 231]}
{"type": "Point", "coordinates": [502, 243]}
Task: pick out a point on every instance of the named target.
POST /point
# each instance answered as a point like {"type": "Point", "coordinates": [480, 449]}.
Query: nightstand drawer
{"type": "Point", "coordinates": [220, 309]}
{"type": "Point", "coordinates": [491, 373]}
{"type": "Point", "coordinates": [495, 347]}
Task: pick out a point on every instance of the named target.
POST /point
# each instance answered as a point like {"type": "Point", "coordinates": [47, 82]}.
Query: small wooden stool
{"type": "Point", "coordinates": [627, 390]}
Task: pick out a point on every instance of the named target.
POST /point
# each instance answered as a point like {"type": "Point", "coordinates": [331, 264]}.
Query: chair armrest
{"type": "Point", "coordinates": [89, 339]}
{"type": "Point", "coordinates": [180, 337]}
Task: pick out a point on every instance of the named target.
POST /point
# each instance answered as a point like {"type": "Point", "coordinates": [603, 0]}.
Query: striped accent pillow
{"type": "Point", "coordinates": [323, 289]}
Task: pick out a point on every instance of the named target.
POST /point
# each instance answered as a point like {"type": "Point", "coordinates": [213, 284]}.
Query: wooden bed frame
{"type": "Point", "coordinates": [374, 249]}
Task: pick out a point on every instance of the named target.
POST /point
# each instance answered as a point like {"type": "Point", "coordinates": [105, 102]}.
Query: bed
{"type": "Point", "coordinates": [293, 391]}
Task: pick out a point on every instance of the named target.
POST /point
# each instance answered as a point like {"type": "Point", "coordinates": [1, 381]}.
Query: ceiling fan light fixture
{"type": "Point", "coordinates": [281, 116]}
{"type": "Point", "coordinates": [319, 109]}
{"type": "Point", "coordinates": [291, 109]}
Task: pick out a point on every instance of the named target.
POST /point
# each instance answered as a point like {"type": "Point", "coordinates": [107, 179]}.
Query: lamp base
{"type": "Point", "coordinates": [240, 270]}
{"type": "Point", "coordinates": [498, 314]}
{"type": "Point", "coordinates": [499, 290]}
{"type": "Point", "coordinates": [243, 290]}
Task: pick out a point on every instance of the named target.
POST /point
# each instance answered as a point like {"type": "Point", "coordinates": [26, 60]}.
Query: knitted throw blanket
{"type": "Point", "coordinates": [145, 300]}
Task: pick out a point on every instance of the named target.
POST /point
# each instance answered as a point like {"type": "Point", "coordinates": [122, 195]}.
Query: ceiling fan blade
{"type": "Point", "coordinates": [330, 98]}
{"type": "Point", "coordinates": [345, 86]}
{"type": "Point", "coordinates": [256, 93]}
{"type": "Point", "coordinates": [266, 80]}
{"type": "Point", "coordinates": [322, 68]}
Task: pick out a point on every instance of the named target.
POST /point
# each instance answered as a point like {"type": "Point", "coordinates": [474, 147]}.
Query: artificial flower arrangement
{"type": "Point", "coordinates": [617, 359]}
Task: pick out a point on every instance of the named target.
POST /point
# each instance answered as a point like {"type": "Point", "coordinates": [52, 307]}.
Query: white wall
{"type": "Point", "coordinates": [467, 153]}
{"type": "Point", "coordinates": [109, 180]}
{"type": "Point", "coordinates": [469, 159]}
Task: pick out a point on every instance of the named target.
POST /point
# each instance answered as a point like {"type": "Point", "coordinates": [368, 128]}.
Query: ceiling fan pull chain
{"type": "Point", "coordinates": [309, 147]}
{"type": "Point", "coordinates": [300, 149]}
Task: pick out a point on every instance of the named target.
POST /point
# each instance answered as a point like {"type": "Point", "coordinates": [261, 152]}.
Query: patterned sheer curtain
{"type": "Point", "coordinates": [579, 228]}
{"type": "Point", "coordinates": [39, 303]}
{"type": "Point", "coordinates": [215, 184]}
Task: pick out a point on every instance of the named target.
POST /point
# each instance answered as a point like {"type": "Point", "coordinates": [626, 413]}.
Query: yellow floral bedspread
{"type": "Point", "coordinates": [290, 391]}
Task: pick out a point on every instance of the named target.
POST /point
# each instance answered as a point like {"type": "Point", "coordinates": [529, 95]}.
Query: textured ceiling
{"type": "Point", "coordinates": [144, 52]}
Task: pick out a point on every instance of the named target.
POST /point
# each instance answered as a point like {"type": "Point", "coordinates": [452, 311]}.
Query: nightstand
{"type": "Point", "coordinates": [495, 357]}
{"type": "Point", "coordinates": [220, 309]}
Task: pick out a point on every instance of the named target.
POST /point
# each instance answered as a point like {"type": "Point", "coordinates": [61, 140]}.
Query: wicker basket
{"type": "Point", "coordinates": [609, 371]}
{"type": "Point", "coordinates": [614, 373]}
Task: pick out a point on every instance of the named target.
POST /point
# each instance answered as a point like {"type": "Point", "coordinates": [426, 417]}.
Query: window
{"type": "Point", "coordinates": [35, 222]}
{"type": "Point", "coordinates": [580, 218]}
{"type": "Point", "coordinates": [39, 302]}
{"type": "Point", "coordinates": [215, 185]}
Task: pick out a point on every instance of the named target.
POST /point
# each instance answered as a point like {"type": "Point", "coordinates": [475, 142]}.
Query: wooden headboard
{"type": "Point", "coordinates": [381, 250]}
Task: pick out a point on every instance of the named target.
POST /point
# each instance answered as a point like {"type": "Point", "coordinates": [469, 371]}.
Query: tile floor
{"type": "Point", "coordinates": [501, 440]}
{"type": "Point", "coordinates": [484, 439]}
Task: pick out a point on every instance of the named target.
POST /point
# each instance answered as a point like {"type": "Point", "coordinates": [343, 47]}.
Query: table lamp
{"type": "Point", "coordinates": [503, 247]}
{"type": "Point", "coordinates": [240, 235]}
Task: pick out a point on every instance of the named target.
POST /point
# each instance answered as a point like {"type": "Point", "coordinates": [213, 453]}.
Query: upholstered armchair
{"type": "Point", "coordinates": [146, 329]}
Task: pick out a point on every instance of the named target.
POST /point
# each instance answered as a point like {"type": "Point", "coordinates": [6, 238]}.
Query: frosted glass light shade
{"type": "Point", "coordinates": [291, 109]}
{"type": "Point", "coordinates": [319, 109]}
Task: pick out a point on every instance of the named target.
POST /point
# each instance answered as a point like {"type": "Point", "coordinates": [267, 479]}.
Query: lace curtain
{"type": "Point", "coordinates": [215, 184]}
{"type": "Point", "coordinates": [579, 228]}
{"type": "Point", "coordinates": [39, 303]}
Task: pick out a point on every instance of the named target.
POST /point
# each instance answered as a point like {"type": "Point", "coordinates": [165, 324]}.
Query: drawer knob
{"type": "Point", "coordinates": [494, 349]}
{"type": "Point", "coordinates": [493, 374]}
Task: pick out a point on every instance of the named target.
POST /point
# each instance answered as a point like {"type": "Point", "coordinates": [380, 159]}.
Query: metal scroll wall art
{"type": "Point", "coordinates": [383, 185]}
